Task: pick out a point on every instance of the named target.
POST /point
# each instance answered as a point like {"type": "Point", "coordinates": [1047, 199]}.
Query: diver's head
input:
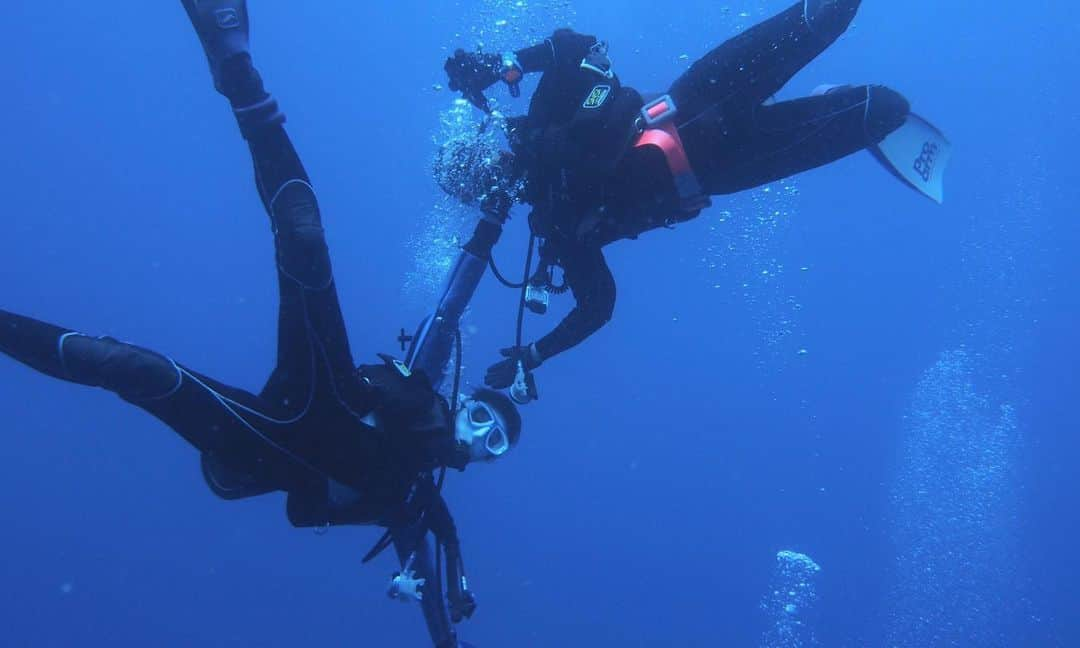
{"type": "Point", "coordinates": [468, 168]}
{"type": "Point", "coordinates": [487, 425]}
{"type": "Point", "coordinates": [598, 61]}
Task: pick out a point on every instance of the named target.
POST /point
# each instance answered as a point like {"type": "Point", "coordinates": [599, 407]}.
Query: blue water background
{"type": "Point", "coordinates": [670, 456]}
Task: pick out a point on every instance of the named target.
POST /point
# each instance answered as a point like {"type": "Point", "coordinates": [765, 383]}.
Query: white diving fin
{"type": "Point", "coordinates": [917, 153]}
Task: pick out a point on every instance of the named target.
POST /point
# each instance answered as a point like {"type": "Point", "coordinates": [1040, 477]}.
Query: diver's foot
{"type": "Point", "coordinates": [829, 18]}
{"type": "Point", "coordinates": [222, 26]}
{"type": "Point", "coordinates": [812, 10]}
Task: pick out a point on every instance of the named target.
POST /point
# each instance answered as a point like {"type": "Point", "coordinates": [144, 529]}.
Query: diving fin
{"type": "Point", "coordinates": [828, 18]}
{"type": "Point", "coordinates": [222, 26]}
{"type": "Point", "coordinates": [812, 10]}
{"type": "Point", "coordinates": [917, 153]}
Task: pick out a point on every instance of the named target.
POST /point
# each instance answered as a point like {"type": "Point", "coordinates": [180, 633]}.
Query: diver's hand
{"type": "Point", "coordinates": [405, 586]}
{"type": "Point", "coordinates": [502, 374]}
{"type": "Point", "coordinates": [473, 72]}
{"type": "Point", "coordinates": [496, 205]}
{"type": "Point", "coordinates": [462, 607]}
{"type": "Point", "coordinates": [470, 73]}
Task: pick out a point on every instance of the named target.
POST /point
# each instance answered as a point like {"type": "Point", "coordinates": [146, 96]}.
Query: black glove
{"type": "Point", "coordinates": [471, 73]}
{"type": "Point", "coordinates": [501, 374]}
{"type": "Point", "coordinates": [496, 204]}
{"type": "Point", "coordinates": [462, 607]}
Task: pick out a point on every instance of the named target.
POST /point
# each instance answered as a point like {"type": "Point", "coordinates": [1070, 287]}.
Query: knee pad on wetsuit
{"type": "Point", "coordinates": [301, 242]}
{"type": "Point", "coordinates": [229, 482]}
{"type": "Point", "coordinates": [307, 508]}
{"type": "Point", "coordinates": [886, 111]}
{"type": "Point", "coordinates": [131, 372]}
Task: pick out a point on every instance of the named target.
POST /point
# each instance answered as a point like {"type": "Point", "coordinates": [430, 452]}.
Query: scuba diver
{"type": "Point", "coordinates": [364, 445]}
{"type": "Point", "coordinates": [599, 162]}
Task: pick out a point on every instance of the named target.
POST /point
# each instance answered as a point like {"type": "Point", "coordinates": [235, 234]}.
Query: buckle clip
{"type": "Point", "coordinates": [659, 111]}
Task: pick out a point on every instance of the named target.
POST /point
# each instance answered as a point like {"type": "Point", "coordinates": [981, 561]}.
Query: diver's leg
{"type": "Point", "coordinates": [793, 136]}
{"type": "Point", "coordinates": [753, 66]}
{"type": "Point", "coordinates": [131, 372]}
{"type": "Point", "coordinates": [311, 330]}
{"type": "Point", "coordinates": [246, 434]}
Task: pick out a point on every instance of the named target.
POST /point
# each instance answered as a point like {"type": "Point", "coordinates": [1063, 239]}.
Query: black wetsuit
{"type": "Point", "coordinates": [589, 186]}
{"type": "Point", "coordinates": [349, 445]}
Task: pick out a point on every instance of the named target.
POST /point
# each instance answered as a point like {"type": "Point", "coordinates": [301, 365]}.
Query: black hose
{"type": "Point", "coordinates": [561, 288]}
{"type": "Point", "coordinates": [457, 370]}
{"type": "Point", "coordinates": [455, 395]}
{"type": "Point", "coordinates": [503, 280]}
{"type": "Point", "coordinates": [524, 287]}
{"type": "Point", "coordinates": [438, 575]}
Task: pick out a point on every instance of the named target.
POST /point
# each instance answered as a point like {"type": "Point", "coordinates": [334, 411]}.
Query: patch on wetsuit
{"type": "Point", "coordinates": [597, 96]}
{"type": "Point", "coordinates": [402, 369]}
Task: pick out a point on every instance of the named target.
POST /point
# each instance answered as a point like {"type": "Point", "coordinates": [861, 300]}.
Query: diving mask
{"type": "Point", "coordinates": [597, 60]}
{"type": "Point", "coordinates": [478, 428]}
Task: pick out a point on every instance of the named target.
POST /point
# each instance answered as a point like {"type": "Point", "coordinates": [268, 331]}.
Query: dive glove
{"type": "Point", "coordinates": [405, 586]}
{"type": "Point", "coordinates": [473, 72]}
{"type": "Point", "coordinates": [502, 374]}
{"type": "Point", "coordinates": [462, 606]}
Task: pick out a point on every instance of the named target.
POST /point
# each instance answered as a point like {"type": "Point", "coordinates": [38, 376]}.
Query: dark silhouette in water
{"type": "Point", "coordinates": [600, 163]}
{"type": "Point", "coordinates": [349, 445]}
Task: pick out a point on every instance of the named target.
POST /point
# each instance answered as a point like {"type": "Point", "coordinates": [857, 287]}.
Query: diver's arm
{"type": "Point", "coordinates": [459, 598]}
{"type": "Point", "coordinates": [473, 72]}
{"type": "Point", "coordinates": [593, 286]}
{"type": "Point", "coordinates": [435, 341]}
{"type": "Point", "coordinates": [435, 614]}
{"type": "Point", "coordinates": [457, 602]}
{"type": "Point", "coordinates": [565, 48]}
